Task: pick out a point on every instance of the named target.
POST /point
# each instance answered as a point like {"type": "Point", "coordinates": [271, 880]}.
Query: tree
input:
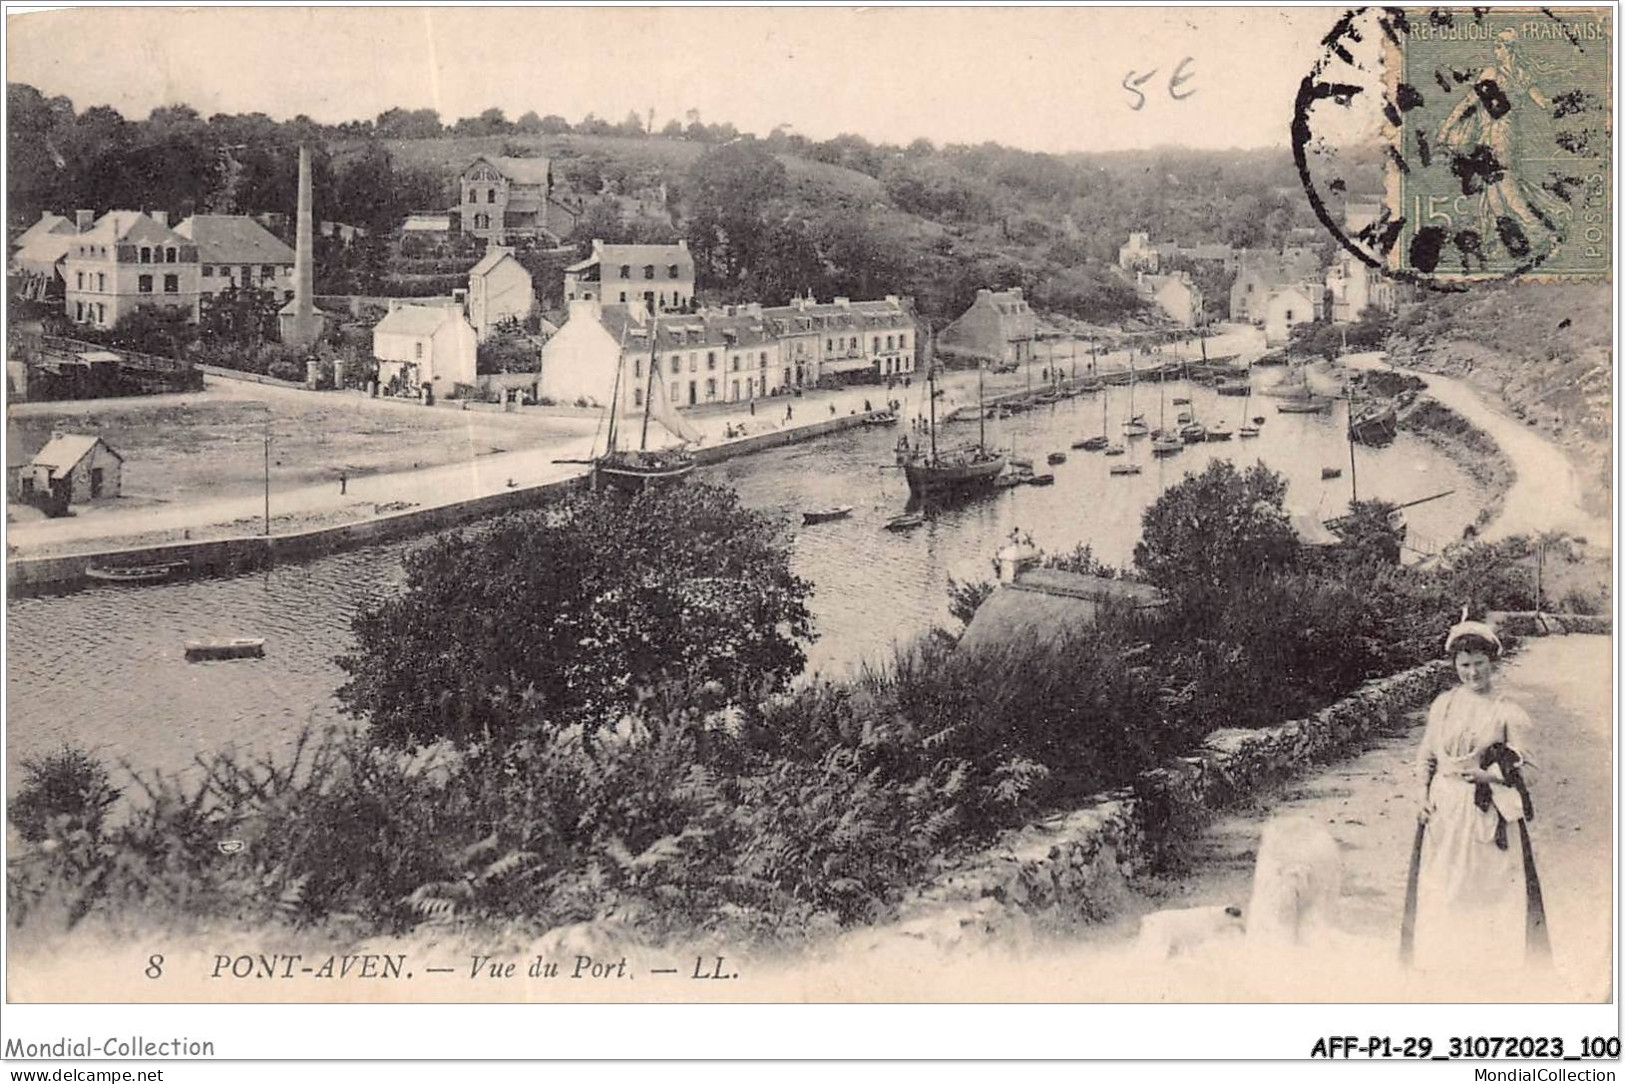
{"type": "Point", "coordinates": [528, 123]}
{"type": "Point", "coordinates": [733, 191]}
{"type": "Point", "coordinates": [570, 615]}
{"type": "Point", "coordinates": [245, 316]}
{"type": "Point", "coordinates": [1215, 529]}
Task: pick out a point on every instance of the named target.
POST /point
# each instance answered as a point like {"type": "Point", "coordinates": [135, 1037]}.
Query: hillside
{"type": "Point", "coordinates": [1543, 348]}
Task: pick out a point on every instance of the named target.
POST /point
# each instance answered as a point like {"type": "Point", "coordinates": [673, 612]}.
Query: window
{"type": "Point", "coordinates": [888, 342]}
{"type": "Point", "coordinates": [710, 389]}
{"type": "Point", "coordinates": [79, 312]}
{"type": "Point", "coordinates": [736, 391]}
{"type": "Point", "coordinates": [694, 363]}
{"type": "Point", "coordinates": [676, 364]}
{"type": "Point", "coordinates": [172, 284]}
{"type": "Point", "coordinates": [169, 255]}
{"type": "Point", "coordinates": [876, 350]}
{"type": "Point", "coordinates": [637, 396]}
{"type": "Point", "coordinates": [736, 365]}
{"type": "Point", "coordinates": [208, 270]}
{"type": "Point", "coordinates": [143, 284]}
{"type": "Point", "coordinates": [490, 195]}
{"type": "Point", "coordinates": [710, 359]}
{"type": "Point", "coordinates": [762, 362]}
{"type": "Point", "coordinates": [626, 270]}
{"type": "Point", "coordinates": [648, 270]}
{"type": "Point", "coordinates": [417, 350]}
{"type": "Point", "coordinates": [637, 367]}
{"type": "Point", "coordinates": [623, 297]}
{"type": "Point", "coordinates": [101, 281]}
{"type": "Point", "coordinates": [902, 342]}
{"type": "Point", "coordinates": [101, 313]}
{"type": "Point", "coordinates": [829, 344]}
{"type": "Point", "coordinates": [146, 254]}
{"type": "Point", "coordinates": [1289, 316]}
{"type": "Point", "coordinates": [671, 272]}
{"type": "Point", "coordinates": [80, 280]}
{"type": "Point", "coordinates": [268, 270]}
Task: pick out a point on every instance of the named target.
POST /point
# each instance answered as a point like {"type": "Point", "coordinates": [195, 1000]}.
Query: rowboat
{"type": "Point", "coordinates": [1115, 449]}
{"type": "Point", "coordinates": [1218, 432]}
{"type": "Point", "coordinates": [134, 573]}
{"type": "Point", "coordinates": [1194, 433]}
{"type": "Point", "coordinates": [1331, 472]}
{"type": "Point", "coordinates": [1247, 431]}
{"type": "Point", "coordinates": [1167, 446]}
{"type": "Point", "coordinates": [1091, 444]}
{"type": "Point", "coordinates": [905, 522]}
{"type": "Point", "coordinates": [1045, 479]}
{"type": "Point", "coordinates": [1125, 468]}
{"type": "Point", "coordinates": [1055, 458]}
{"type": "Point", "coordinates": [242, 647]}
{"type": "Point", "coordinates": [824, 515]}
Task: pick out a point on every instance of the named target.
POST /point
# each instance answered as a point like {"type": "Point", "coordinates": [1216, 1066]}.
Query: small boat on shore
{"type": "Point", "coordinates": [824, 515]}
{"type": "Point", "coordinates": [1045, 479]}
{"type": "Point", "coordinates": [1055, 459]}
{"type": "Point", "coordinates": [1121, 469]}
{"type": "Point", "coordinates": [905, 522]}
{"type": "Point", "coordinates": [1247, 431]}
{"type": "Point", "coordinates": [242, 647]}
{"type": "Point", "coordinates": [1091, 444]}
{"type": "Point", "coordinates": [1020, 464]}
{"type": "Point", "coordinates": [1331, 472]}
{"type": "Point", "coordinates": [134, 574]}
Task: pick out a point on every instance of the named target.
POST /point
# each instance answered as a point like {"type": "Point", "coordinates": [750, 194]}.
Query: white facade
{"type": "Point", "coordinates": [425, 345]}
{"type": "Point", "coordinates": [1288, 306]}
{"type": "Point", "coordinates": [126, 260]}
{"type": "Point", "coordinates": [579, 362]}
{"type": "Point", "coordinates": [1353, 287]}
{"type": "Point", "coordinates": [499, 288]}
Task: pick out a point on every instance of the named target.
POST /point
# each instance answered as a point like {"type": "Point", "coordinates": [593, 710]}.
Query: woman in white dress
{"type": "Point", "coordinates": [1474, 897]}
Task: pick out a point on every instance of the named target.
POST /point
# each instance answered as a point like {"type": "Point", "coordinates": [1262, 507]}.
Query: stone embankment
{"type": "Point", "coordinates": [1474, 450]}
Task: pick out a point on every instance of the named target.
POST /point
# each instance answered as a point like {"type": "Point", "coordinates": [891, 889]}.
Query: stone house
{"type": "Point", "coordinates": [124, 260]}
{"type": "Point", "coordinates": [38, 255]}
{"type": "Point", "coordinates": [999, 327]}
{"type": "Point", "coordinates": [659, 277]}
{"type": "Point", "coordinates": [73, 468]}
{"type": "Point", "coordinates": [235, 250]}
{"type": "Point", "coordinates": [499, 288]}
{"type": "Point", "coordinates": [425, 344]}
{"type": "Point", "coordinates": [1261, 272]}
{"type": "Point", "coordinates": [871, 341]}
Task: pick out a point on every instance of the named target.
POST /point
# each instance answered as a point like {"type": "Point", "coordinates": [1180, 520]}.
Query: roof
{"type": "Point", "coordinates": [518, 170]}
{"type": "Point", "coordinates": [47, 225]}
{"type": "Point", "coordinates": [129, 226]}
{"type": "Point", "coordinates": [415, 320]}
{"type": "Point", "coordinates": [428, 220]}
{"type": "Point", "coordinates": [64, 450]}
{"type": "Point", "coordinates": [673, 332]}
{"type": "Point", "coordinates": [234, 239]}
{"type": "Point", "coordinates": [1048, 603]}
{"type": "Point", "coordinates": [638, 255]}
{"type": "Point", "coordinates": [43, 252]}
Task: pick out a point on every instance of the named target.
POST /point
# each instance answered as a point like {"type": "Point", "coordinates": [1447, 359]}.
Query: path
{"type": "Point", "coordinates": [1546, 494]}
{"type": "Point", "coordinates": [1368, 803]}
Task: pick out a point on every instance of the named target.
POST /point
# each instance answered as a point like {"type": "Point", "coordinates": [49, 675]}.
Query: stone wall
{"type": "Point", "coordinates": [1078, 865]}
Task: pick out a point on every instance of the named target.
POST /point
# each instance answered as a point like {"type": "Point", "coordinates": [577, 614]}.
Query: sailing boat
{"type": "Point", "coordinates": [1249, 429]}
{"type": "Point", "coordinates": [1162, 441]}
{"type": "Point", "coordinates": [934, 474]}
{"type": "Point", "coordinates": [632, 470]}
{"type": "Point", "coordinates": [1095, 444]}
{"type": "Point", "coordinates": [1135, 425]}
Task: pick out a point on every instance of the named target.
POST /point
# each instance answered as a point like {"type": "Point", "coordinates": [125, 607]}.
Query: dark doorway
{"type": "Point", "coordinates": [95, 482]}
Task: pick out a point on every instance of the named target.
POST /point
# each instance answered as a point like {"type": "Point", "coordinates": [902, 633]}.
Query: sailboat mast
{"type": "Point", "coordinates": [981, 409]}
{"type": "Point", "coordinates": [1354, 477]}
{"type": "Point", "coordinates": [615, 397]}
{"type": "Point", "coordinates": [648, 392]}
{"type": "Point", "coordinates": [931, 396]}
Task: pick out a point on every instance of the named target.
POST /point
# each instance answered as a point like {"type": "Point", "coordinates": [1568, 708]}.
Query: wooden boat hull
{"type": "Point", "coordinates": [209, 650]}
{"type": "Point", "coordinates": [1168, 447]}
{"type": "Point", "coordinates": [135, 574]}
{"type": "Point", "coordinates": [906, 522]}
{"type": "Point", "coordinates": [1307, 406]}
{"type": "Point", "coordinates": [1235, 390]}
{"type": "Point", "coordinates": [1045, 479]}
{"type": "Point", "coordinates": [630, 477]}
{"type": "Point", "coordinates": [1056, 458]}
{"type": "Point", "coordinates": [824, 515]}
{"type": "Point", "coordinates": [946, 479]}
{"type": "Point", "coordinates": [1375, 428]}
{"type": "Point", "coordinates": [1125, 468]}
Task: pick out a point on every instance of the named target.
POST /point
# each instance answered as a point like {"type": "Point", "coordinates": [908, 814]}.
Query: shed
{"type": "Point", "coordinates": [74, 467]}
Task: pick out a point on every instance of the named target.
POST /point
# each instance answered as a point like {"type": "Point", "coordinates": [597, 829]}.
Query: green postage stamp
{"type": "Point", "coordinates": [1500, 133]}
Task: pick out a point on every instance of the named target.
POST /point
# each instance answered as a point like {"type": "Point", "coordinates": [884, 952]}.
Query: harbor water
{"type": "Point", "coordinates": [104, 667]}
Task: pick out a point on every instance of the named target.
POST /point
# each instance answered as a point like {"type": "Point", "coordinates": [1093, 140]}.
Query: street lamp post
{"type": "Point", "coordinates": [267, 485]}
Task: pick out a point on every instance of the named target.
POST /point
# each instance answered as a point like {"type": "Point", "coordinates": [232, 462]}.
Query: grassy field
{"type": "Point", "coordinates": [213, 445]}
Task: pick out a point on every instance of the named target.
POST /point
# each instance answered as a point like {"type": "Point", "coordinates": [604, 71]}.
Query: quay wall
{"type": "Point", "coordinates": [227, 556]}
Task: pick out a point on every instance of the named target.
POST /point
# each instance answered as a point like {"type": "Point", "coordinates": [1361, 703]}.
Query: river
{"type": "Point", "coordinates": [104, 667]}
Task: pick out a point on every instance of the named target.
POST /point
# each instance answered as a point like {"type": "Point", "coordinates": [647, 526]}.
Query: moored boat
{"type": "Point", "coordinates": [1045, 479]}
{"type": "Point", "coordinates": [824, 515]}
{"type": "Point", "coordinates": [1055, 458]}
{"type": "Point", "coordinates": [1124, 468]}
{"type": "Point", "coordinates": [1309, 404]}
{"type": "Point", "coordinates": [1331, 472]}
{"type": "Point", "coordinates": [1167, 445]}
{"type": "Point", "coordinates": [1194, 433]}
{"type": "Point", "coordinates": [905, 522]}
{"type": "Point", "coordinates": [1091, 444]}
{"type": "Point", "coordinates": [1376, 425]}
{"type": "Point", "coordinates": [1247, 431]}
{"type": "Point", "coordinates": [1219, 431]}
{"type": "Point", "coordinates": [134, 574]}
{"type": "Point", "coordinates": [242, 647]}
{"type": "Point", "coordinates": [1115, 449]}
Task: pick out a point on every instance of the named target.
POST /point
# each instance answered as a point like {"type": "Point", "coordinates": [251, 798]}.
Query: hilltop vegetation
{"type": "Point", "coordinates": [838, 216]}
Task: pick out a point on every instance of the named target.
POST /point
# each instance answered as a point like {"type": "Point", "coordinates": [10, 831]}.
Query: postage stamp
{"type": "Point", "coordinates": [1489, 131]}
{"type": "Point", "coordinates": [1501, 137]}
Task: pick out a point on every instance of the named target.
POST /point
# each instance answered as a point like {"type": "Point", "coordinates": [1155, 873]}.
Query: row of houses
{"type": "Point", "coordinates": [727, 354]}
{"type": "Point", "coordinates": [1274, 290]}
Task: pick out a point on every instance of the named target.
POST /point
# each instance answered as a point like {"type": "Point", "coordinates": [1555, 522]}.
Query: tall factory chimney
{"type": "Point", "coordinates": [300, 323]}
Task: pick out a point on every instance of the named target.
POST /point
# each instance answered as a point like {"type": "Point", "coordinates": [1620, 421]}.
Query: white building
{"type": "Point", "coordinates": [1175, 294]}
{"type": "Point", "coordinates": [660, 277]}
{"type": "Point", "coordinates": [235, 250]}
{"type": "Point", "coordinates": [425, 345]}
{"type": "Point", "coordinates": [1139, 254]}
{"type": "Point", "coordinates": [128, 259]}
{"type": "Point", "coordinates": [499, 288]}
